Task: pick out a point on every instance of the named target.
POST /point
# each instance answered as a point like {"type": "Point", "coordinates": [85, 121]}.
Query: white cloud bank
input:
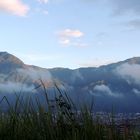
{"type": "Point", "coordinates": [11, 87]}
{"type": "Point", "coordinates": [136, 91]}
{"type": "Point", "coordinates": [16, 7]}
{"type": "Point", "coordinates": [103, 89]}
{"type": "Point", "coordinates": [130, 72]}
{"type": "Point", "coordinates": [36, 74]}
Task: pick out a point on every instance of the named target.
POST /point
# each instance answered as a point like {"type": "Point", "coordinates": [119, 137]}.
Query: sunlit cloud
{"type": "Point", "coordinates": [16, 7]}
{"type": "Point", "coordinates": [70, 33]}
{"type": "Point", "coordinates": [69, 37]}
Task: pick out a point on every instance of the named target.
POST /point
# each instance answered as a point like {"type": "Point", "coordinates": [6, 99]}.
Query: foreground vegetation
{"type": "Point", "coordinates": [30, 120]}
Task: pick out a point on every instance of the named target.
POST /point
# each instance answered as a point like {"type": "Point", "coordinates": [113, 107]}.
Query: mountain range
{"type": "Point", "coordinates": [110, 86]}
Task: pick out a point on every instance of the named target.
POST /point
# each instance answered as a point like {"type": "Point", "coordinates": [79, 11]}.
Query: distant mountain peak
{"type": "Point", "coordinates": [9, 62]}
{"type": "Point", "coordinates": [7, 57]}
{"type": "Point", "coordinates": [3, 53]}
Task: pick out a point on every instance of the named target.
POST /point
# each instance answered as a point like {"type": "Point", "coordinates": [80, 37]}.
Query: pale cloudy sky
{"type": "Point", "coordinates": [70, 33]}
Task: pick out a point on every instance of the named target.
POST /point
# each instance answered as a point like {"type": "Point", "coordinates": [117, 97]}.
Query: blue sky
{"type": "Point", "coordinates": [70, 33]}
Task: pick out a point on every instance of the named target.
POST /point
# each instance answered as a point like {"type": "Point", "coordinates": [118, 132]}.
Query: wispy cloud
{"type": "Point", "coordinates": [64, 41]}
{"type": "Point", "coordinates": [68, 33]}
{"type": "Point", "coordinates": [42, 9]}
{"type": "Point", "coordinates": [125, 6]}
{"type": "Point", "coordinates": [43, 1]}
{"type": "Point", "coordinates": [120, 7]}
{"type": "Point", "coordinates": [71, 37]}
{"type": "Point", "coordinates": [16, 7]}
{"type": "Point", "coordinates": [133, 24]}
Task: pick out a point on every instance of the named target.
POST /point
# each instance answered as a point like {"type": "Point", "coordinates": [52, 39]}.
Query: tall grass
{"type": "Point", "coordinates": [59, 120]}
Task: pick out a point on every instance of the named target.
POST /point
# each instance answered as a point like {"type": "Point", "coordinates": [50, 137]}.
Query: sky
{"type": "Point", "coordinates": [70, 33]}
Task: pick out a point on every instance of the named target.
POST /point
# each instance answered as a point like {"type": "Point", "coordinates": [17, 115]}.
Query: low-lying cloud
{"type": "Point", "coordinates": [36, 74]}
{"type": "Point", "coordinates": [11, 87]}
{"type": "Point", "coordinates": [103, 89]}
{"type": "Point", "coordinates": [76, 75]}
{"type": "Point", "coordinates": [129, 72]}
{"type": "Point", "coordinates": [32, 74]}
{"type": "Point", "coordinates": [136, 91]}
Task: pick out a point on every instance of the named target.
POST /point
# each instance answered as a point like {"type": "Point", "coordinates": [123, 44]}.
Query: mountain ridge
{"type": "Point", "coordinates": [116, 83]}
{"type": "Point", "coordinates": [4, 56]}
